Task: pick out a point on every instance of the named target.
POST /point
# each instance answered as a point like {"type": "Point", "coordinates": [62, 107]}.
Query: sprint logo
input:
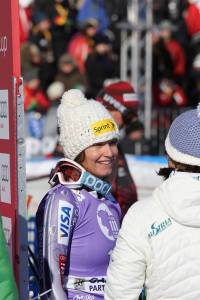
{"type": "Point", "coordinates": [158, 228]}
{"type": "Point", "coordinates": [103, 126]}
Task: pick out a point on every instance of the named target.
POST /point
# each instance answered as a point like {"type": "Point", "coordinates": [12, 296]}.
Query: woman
{"type": "Point", "coordinates": [159, 243]}
{"type": "Point", "coordinates": [78, 219]}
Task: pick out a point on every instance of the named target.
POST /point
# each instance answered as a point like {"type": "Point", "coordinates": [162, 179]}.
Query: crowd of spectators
{"type": "Point", "coordinates": [76, 44]}
{"type": "Point", "coordinates": [62, 40]}
{"type": "Point", "coordinates": [65, 44]}
{"type": "Point", "coordinates": [176, 53]}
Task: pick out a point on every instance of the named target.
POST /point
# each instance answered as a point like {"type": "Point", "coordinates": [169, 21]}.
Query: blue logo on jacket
{"type": "Point", "coordinates": [65, 220]}
{"type": "Point", "coordinates": [65, 212]}
{"type": "Point", "coordinates": [158, 228]}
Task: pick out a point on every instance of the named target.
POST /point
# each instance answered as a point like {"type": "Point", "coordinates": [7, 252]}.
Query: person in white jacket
{"type": "Point", "coordinates": [158, 246]}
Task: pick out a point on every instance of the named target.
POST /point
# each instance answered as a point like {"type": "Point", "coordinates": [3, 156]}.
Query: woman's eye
{"type": "Point", "coordinates": [97, 147]}
{"type": "Point", "coordinates": [113, 143]}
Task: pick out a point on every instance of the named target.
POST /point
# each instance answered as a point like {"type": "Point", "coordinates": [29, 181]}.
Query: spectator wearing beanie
{"type": "Point", "coordinates": [118, 98]}
{"type": "Point", "coordinates": [34, 97]}
{"type": "Point", "coordinates": [78, 219]}
{"type": "Point", "coordinates": [69, 74]}
{"type": "Point", "coordinates": [159, 242]}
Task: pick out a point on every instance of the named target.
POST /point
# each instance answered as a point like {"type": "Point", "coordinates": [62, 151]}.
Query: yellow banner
{"type": "Point", "coordinates": [103, 126]}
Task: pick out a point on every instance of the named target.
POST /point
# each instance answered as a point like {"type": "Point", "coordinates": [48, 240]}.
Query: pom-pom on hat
{"type": "Point", "coordinates": [55, 90]}
{"type": "Point", "coordinates": [183, 140]}
{"type": "Point", "coordinates": [83, 123]}
{"type": "Point", "coordinates": [118, 96]}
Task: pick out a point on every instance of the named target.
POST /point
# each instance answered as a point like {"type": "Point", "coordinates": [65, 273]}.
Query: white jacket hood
{"type": "Point", "coordinates": [180, 198]}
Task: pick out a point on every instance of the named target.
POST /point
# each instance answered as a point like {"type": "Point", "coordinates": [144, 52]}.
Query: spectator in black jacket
{"type": "Point", "coordinates": [101, 64]}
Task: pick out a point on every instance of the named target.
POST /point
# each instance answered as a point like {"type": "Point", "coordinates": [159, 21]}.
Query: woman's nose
{"type": "Point", "coordinates": [108, 150]}
{"type": "Point", "coordinates": [111, 150]}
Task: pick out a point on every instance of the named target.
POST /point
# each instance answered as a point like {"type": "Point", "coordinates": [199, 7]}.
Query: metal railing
{"type": "Point", "coordinates": [161, 119]}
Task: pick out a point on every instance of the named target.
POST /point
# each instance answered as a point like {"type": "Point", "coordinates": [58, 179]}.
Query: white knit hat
{"type": "Point", "coordinates": [83, 123]}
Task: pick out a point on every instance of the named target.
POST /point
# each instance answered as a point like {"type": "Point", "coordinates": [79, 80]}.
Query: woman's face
{"type": "Point", "coordinates": [99, 158]}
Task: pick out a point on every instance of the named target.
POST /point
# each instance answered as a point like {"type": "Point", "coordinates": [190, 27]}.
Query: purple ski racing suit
{"type": "Point", "coordinates": [77, 232]}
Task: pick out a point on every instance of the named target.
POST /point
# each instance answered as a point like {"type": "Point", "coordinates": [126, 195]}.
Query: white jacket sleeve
{"type": "Point", "coordinates": [126, 272]}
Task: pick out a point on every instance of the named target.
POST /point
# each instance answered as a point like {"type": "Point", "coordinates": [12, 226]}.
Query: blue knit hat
{"type": "Point", "coordinates": [183, 140]}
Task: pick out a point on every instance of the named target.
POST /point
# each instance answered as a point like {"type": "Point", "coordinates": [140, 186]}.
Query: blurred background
{"type": "Point", "coordinates": [86, 44]}
{"type": "Point", "coordinates": [89, 44]}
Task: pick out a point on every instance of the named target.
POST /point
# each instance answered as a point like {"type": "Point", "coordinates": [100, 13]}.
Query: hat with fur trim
{"type": "Point", "coordinates": [83, 123]}
{"type": "Point", "coordinates": [118, 96]}
{"type": "Point", "coordinates": [183, 140]}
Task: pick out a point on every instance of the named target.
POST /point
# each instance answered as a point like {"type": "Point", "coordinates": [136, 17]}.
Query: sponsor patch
{"type": "Point", "coordinates": [89, 285]}
{"type": "Point", "coordinates": [96, 184]}
{"type": "Point", "coordinates": [157, 228]}
{"type": "Point", "coordinates": [62, 263]}
{"type": "Point", "coordinates": [101, 127]}
{"type": "Point", "coordinates": [65, 212]}
{"type": "Point", "coordinates": [107, 222]}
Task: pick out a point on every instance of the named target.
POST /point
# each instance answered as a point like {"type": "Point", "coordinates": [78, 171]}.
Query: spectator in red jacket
{"type": "Point", "coordinates": [167, 94]}
{"type": "Point", "coordinates": [34, 97]}
{"type": "Point", "coordinates": [175, 50]}
{"type": "Point", "coordinates": [81, 45]}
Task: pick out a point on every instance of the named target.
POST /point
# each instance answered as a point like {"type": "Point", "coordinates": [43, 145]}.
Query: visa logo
{"type": "Point", "coordinates": [65, 213]}
{"type": "Point", "coordinates": [65, 220]}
